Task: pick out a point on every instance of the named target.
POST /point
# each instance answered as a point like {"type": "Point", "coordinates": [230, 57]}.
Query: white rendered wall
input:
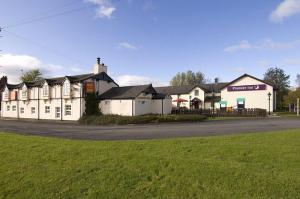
{"type": "Point", "coordinates": [253, 99]}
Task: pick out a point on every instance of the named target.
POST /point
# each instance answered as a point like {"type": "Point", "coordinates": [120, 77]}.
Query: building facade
{"type": "Point", "coordinates": [63, 98]}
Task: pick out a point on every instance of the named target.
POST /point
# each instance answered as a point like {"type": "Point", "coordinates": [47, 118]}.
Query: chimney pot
{"type": "Point", "coordinates": [98, 60]}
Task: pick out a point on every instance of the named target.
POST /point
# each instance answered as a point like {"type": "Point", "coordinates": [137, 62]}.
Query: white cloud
{"type": "Point", "coordinates": [127, 45]}
{"type": "Point", "coordinates": [241, 46]}
{"type": "Point", "coordinates": [285, 9]}
{"type": "Point", "coordinates": [129, 80]}
{"type": "Point", "coordinates": [12, 66]}
{"type": "Point", "coordinates": [266, 44]}
{"type": "Point", "coordinates": [104, 9]}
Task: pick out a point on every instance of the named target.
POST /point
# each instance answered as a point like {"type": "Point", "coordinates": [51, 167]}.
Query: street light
{"type": "Point", "coordinates": [269, 95]}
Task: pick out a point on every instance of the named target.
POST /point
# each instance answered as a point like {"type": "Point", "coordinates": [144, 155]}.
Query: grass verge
{"type": "Point", "coordinates": [265, 165]}
{"type": "Point", "coordinates": [142, 119]}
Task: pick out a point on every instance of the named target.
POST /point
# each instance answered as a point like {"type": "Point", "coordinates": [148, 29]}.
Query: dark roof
{"type": "Point", "coordinates": [178, 90]}
{"type": "Point", "coordinates": [60, 80]}
{"type": "Point", "coordinates": [175, 90]}
{"type": "Point", "coordinates": [127, 92]}
{"type": "Point", "coordinates": [246, 75]}
{"type": "Point", "coordinates": [216, 87]}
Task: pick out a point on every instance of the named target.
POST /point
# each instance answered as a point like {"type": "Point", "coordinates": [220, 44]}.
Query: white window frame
{"type": "Point", "coordinates": [45, 90]}
{"type": "Point", "coordinates": [47, 109]}
{"type": "Point", "coordinates": [32, 110]}
{"type": "Point", "coordinates": [8, 108]}
{"type": "Point", "coordinates": [14, 108]}
{"type": "Point", "coordinates": [196, 93]}
{"type": "Point", "coordinates": [67, 89]}
{"type": "Point", "coordinates": [57, 112]}
{"type": "Point", "coordinates": [68, 109]}
{"type": "Point", "coordinates": [6, 94]}
{"type": "Point", "coordinates": [24, 93]}
{"type": "Point", "coordinates": [22, 110]}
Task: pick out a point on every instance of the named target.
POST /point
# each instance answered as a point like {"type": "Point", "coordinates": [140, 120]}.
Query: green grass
{"type": "Point", "coordinates": [259, 165]}
{"type": "Point", "coordinates": [287, 115]}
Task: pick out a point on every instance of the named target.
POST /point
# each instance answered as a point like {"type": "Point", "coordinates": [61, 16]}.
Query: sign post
{"type": "Point", "coordinates": [298, 107]}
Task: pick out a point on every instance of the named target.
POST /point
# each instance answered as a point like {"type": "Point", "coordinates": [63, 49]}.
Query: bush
{"type": "Point", "coordinates": [143, 119]}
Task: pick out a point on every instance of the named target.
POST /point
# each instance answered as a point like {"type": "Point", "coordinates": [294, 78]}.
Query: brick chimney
{"type": "Point", "coordinates": [3, 82]}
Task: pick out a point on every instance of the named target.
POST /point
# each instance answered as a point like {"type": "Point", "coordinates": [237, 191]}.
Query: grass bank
{"type": "Point", "coordinates": [142, 119]}
{"type": "Point", "coordinates": [262, 165]}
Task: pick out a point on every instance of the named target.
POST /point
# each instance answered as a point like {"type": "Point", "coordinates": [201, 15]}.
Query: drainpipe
{"type": "Point", "coordinates": [18, 114]}
{"type": "Point", "coordinates": [162, 106]}
{"type": "Point", "coordinates": [38, 108]}
{"type": "Point", "coordinates": [61, 103]}
{"type": "Point", "coordinates": [132, 108]}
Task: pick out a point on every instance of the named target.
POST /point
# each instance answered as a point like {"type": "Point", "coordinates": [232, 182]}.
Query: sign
{"type": "Point", "coordinates": [257, 87]}
{"type": "Point", "coordinates": [89, 87]}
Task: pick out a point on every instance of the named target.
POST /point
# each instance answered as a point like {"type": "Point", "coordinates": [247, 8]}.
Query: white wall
{"type": "Point", "coordinates": [116, 107]}
{"type": "Point", "coordinates": [189, 96]}
{"type": "Point", "coordinates": [159, 104]}
{"type": "Point", "coordinates": [253, 99]}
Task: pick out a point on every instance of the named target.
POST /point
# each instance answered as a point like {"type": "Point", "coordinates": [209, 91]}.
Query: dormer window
{"type": "Point", "coordinates": [67, 89]}
{"type": "Point", "coordinates": [24, 93]}
{"type": "Point", "coordinates": [45, 90]}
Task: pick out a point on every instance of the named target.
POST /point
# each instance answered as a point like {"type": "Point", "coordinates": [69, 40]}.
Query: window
{"type": "Point", "coordinates": [22, 110]}
{"type": "Point", "coordinates": [24, 93]}
{"type": "Point", "coordinates": [57, 112]}
{"type": "Point", "coordinates": [45, 90]}
{"type": "Point", "coordinates": [32, 110]}
{"type": "Point", "coordinates": [68, 110]}
{"type": "Point", "coordinates": [142, 102]}
{"type": "Point", "coordinates": [14, 108]}
{"type": "Point", "coordinates": [8, 108]}
{"type": "Point", "coordinates": [6, 94]}
{"type": "Point", "coordinates": [47, 109]}
{"type": "Point", "coordinates": [107, 102]}
{"type": "Point", "coordinates": [196, 92]}
{"type": "Point", "coordinates": [67, 88]}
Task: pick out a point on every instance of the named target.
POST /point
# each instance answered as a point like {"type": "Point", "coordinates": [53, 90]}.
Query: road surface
{"type": "Point", "coordinates": [149, 131]}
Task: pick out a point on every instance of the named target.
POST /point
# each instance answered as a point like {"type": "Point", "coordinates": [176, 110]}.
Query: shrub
{"type": "Point", "coordinates": [143, 119]}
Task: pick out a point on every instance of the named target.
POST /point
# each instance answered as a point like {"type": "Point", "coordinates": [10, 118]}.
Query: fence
{"type": "Point", "coordinates": [255, 112]}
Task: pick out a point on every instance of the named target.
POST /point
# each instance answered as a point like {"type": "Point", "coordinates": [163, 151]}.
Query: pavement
{"type": "Point", "coordinates": [71, 130]}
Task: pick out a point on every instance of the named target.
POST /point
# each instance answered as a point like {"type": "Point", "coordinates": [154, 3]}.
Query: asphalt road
{"type": "Point", "coordinates": [150, 131]}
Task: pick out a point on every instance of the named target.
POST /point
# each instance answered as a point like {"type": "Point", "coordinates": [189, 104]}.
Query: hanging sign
{"type": "Point", "coordinates": [247, 87]}
{"type": "Point", "coordinates": [89, 87]}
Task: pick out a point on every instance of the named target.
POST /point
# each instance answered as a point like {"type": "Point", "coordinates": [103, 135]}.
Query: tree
{"type": "Point", "coordinates": [91, 104]}
{"type": "Point", "coordinates": [31, 75]}
{"type": "Point", "coordinates": [298, 81]}
{"type": "Point", "coordinates": [292, 96]}
{"type": "Point", "coordinates": [281, 81]}
{"type": "Point", "coordinates": [188, 78]}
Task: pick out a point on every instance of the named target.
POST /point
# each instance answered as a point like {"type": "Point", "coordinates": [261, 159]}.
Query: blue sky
{"type": "Point", "coordinates": [145, 41]}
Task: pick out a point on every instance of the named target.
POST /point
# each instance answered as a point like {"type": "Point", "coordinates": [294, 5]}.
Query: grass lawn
{"type": "Point", "coordinates": [265, 165]}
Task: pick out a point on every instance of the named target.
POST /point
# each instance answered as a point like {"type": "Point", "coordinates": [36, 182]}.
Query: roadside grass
{"type": "Point", "coordinates": [259, 165]}
{"type": "Point", "coordinates": [287, 114]}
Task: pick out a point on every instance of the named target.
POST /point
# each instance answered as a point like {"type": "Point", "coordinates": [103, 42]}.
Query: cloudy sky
{"type": "Point", "coordinates": [149, 41]}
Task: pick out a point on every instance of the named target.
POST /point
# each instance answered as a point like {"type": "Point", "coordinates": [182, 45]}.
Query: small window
{"type": "Point", "coordinates": [32, 110]}
{"type": "Point", "coordinates": [22, 110]}
{"type": "Point", "coordinates": [24, 93]}
{"type": "Point", "coordinates": [57, 112]}
{"type": "Point", "coordinates": [8, 108]}
{"type": "Point", "coordinates": [196, 92]}
{"type": "Point", "coordinates": [14, 108]}
{"type": "Point", "coordinates": [107, 102]}
{"type": "Point", "coordinates": [45, 90]}
{"type": "Point", "coordinates": [6, 94]}
{"type": "Point", "coordinates": [68, 110]}
{"type": "Point", "coordinates": [47, 109]}
{"type": "Point", "coordinates": [142, 102]}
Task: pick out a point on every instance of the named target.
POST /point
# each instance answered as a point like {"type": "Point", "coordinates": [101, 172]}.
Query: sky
{"type": "Point", "coordinates": [149, 41]}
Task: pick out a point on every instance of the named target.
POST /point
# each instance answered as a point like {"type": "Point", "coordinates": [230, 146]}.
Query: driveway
{"type": "Point", "coordinates": [149, 131]}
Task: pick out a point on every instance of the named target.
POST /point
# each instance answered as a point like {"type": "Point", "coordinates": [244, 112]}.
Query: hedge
{"type": "Point", "coordinates": [143, 119]}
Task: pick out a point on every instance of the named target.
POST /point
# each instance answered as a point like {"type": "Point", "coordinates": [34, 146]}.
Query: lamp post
{"type": "Point", "coordinates": [269, 97]}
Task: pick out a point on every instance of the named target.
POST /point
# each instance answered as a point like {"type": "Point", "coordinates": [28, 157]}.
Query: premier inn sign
{"type": "Point", "coordinates": [257, 87]}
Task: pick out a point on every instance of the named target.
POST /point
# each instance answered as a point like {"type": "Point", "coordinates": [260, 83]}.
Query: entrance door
{"type": "Point", "coordinates": [196, 105]}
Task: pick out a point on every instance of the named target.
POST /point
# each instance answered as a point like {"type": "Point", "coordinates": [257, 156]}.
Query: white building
{"type": "Point", "coordinates": [62, 98]}
{"type": "Point", "coordinates": [244, 92]}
